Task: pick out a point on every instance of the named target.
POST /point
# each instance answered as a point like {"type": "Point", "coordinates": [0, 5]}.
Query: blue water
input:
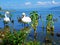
{"type": "Point", "coordinates": [18, 26]}
{"type": "Point", "coordinates": [16, 14]}
{"type": "Point", "coordinates": [42, 13]}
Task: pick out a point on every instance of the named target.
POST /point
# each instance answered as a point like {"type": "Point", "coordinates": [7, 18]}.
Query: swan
{"type": "Point", "coordinates": [25, 18]}
{"type": "Point", "coordinates": [6, 19]}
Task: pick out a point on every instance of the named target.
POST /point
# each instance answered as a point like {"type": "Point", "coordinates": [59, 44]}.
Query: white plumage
{"type": "Point", "coordinates": [25, 18]}
{"type": "Point", "coordinates": [7, 12]}
{"type": "Point", "coordinates": [6, 19]}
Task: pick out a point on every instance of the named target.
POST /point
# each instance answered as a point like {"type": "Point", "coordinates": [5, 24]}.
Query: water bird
{"type": "Point", "coordinates": [25, 18]}
{"type": "Point", "coordinates": [6, 19]}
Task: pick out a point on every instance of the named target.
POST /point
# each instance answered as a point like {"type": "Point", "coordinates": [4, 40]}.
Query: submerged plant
{"type": "Point", "coordinates": [34, 23]}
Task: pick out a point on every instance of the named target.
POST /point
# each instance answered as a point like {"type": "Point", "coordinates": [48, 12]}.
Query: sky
{"type": "Point", "coordinates": [20, 4]}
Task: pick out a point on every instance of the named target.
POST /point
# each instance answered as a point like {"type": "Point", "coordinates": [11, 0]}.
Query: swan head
{"type": "Point", "coordinates": [23, 14]}
{"type": "Point", "coordinates": [7, 12]}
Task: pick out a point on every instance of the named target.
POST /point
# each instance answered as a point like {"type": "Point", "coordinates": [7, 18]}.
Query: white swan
{"type": "Point", "coordinates": [6, 19]}
{"type": "Point", "coordinates": [25, 18]}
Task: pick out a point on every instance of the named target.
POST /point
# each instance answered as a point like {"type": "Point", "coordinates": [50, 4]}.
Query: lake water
{"type": "Point", "coordinates": [18, 26]}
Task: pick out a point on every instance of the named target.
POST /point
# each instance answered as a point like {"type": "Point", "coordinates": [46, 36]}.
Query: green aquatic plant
{"type": "Point", "coordinates": [34, 18]}
{"type": "Point", "coordinates": [50, 23]}
{"type": "Point", "coordinates": [49, 17]}
{"type": "Point", "coordinates": [18, 38]}
{"type": "Point", "coordinates": [2, 33]}
{"type": "Point", "coordinates": [34, 22]}
{"type": "Point", "coordinates": [33, 43]}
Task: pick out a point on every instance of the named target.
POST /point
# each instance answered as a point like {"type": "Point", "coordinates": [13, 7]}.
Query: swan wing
{"type": "Point", "coordinates": [26, 19]}
{"type": "Point", "coordinates": [6, 19]}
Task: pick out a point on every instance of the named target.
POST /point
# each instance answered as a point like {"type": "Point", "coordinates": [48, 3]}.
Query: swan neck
{"type": "Point", "coordinates": [5, 15]}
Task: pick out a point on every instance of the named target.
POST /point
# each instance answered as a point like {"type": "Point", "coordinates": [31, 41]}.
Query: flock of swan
{"type": "Point", "coordinates": [24, 19]}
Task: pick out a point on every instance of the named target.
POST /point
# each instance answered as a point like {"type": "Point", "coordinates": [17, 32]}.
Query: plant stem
{"type": "Point", "coordinates": [35, 35]}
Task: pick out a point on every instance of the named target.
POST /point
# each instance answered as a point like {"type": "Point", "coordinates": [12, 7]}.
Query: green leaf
{"type": "Point", "coordinates": [34, 18]}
